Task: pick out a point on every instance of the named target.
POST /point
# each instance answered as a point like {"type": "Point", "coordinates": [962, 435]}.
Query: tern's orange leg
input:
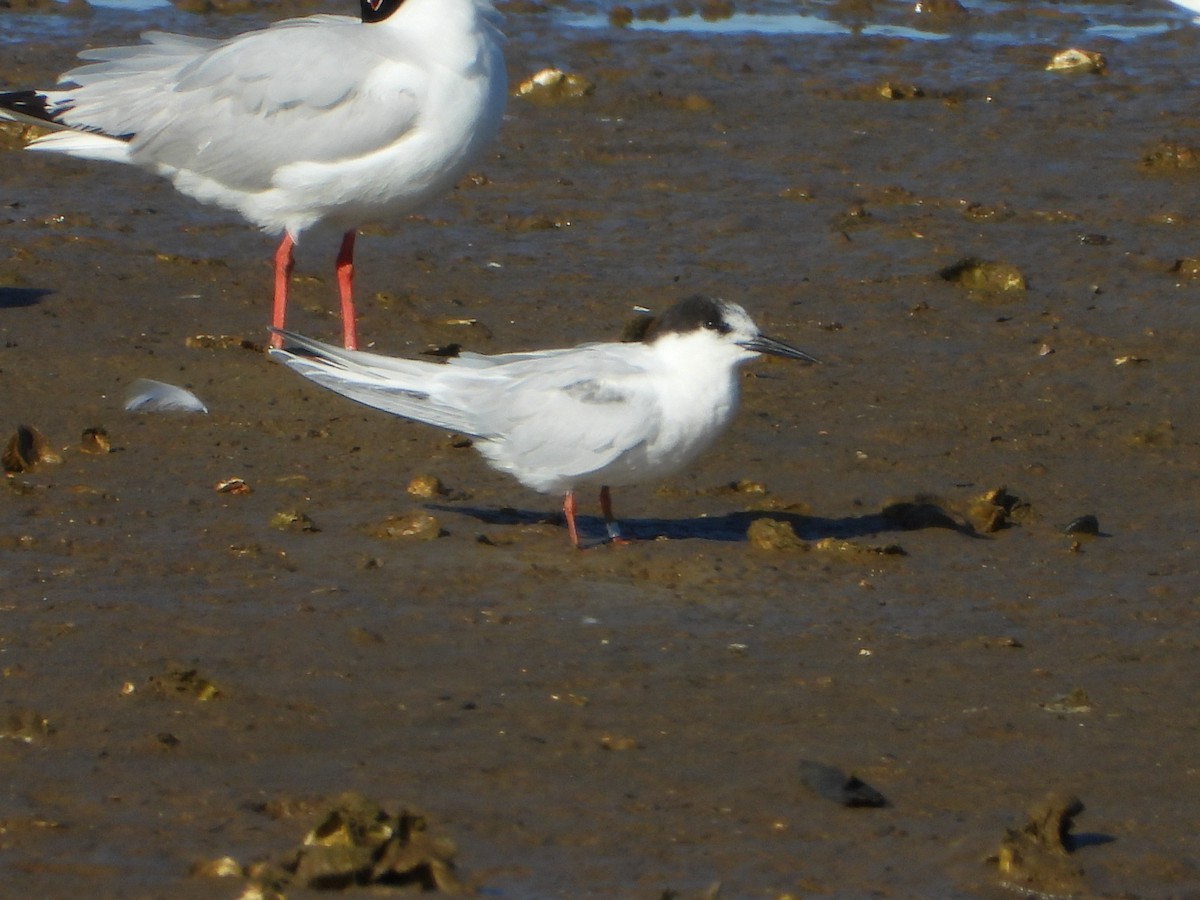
{"type": "Point", "coordinates": [569, 515]}
{"type": "Point", "coordinates": [345, 280]}
{"type": "Point", "coordinates": [284, 262]}
{"type": "Point", "coordinates": [610, 521]}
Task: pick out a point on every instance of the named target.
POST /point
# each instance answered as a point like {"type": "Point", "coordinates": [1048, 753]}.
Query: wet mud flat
{"type": "Point", "coordinates": [190, 673]}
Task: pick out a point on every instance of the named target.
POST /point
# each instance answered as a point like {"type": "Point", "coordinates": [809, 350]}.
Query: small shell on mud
{"type": "Point", "coordinates": [553, 85]}
{"type": "Point", "coordinates": [94, 440]}
{"type": "Point", "coordinates": [1126, 360]}
{"type": "Point", "coordinates": [1077, 61]}
{"type": "Point", "coordinates": [232, 485]}
{"type": "Point", "coordinates": [419, 526]}
{"type": "Point", "coordinates": [27, 449]}
{"type": "Point", "coordinates": [425, 487]}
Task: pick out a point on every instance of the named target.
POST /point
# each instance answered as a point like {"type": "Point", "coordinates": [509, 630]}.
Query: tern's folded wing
{"type": "Point", "coordinates": [569, 415]}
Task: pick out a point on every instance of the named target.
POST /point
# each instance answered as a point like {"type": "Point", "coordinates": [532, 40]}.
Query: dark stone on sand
{"type": "Point", "coordinates": [1087, 524]}
{"type": "Point", "coordinates": [832, 783]}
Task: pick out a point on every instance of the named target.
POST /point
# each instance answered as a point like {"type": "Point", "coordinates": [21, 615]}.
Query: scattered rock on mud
{"type": "Point", "coordinates": [358, 843]}
{"type": "Point", "coordinates": [1036, 858]}
{"type": "Point", "coordinates": [985, 276]}
{"type": "Point", "coordinates": [997, 509]}
{"type": "Point", "coordinates": [773, 534]}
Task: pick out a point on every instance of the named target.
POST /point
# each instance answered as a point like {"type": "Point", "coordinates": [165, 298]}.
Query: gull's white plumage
{"type": "Point", "coordinates": [318, 119]}
{"type": "Point", "coordinates": [608, 414]}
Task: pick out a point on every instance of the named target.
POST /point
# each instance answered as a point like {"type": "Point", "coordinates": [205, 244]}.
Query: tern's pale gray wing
{"type": "Point", "coordinates": [317, 89]}
{"type": "Point", "coordinates": [570, 414]}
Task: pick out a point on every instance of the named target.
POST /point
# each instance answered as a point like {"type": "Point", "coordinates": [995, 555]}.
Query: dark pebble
{"type": "Point", "coordinates": [1088, 524]}
{"type": "Point", "coordinates": [833, 784]}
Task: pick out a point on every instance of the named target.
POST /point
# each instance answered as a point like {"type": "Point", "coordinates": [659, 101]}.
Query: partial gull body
{"type": "Point", "coordinates": [332, 119]}
{"type": "Point", "coordinates": [603, 415]}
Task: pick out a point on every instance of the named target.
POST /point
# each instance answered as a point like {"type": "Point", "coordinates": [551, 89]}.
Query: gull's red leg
{"type": "Point", "coordinates": [610, 521]}
{"type": "Point", "coordinates": [284, 262]}
{"type": "Point", "coordinates": [345, 280]}
{"type": "Point", "coordinates": [569, 515]}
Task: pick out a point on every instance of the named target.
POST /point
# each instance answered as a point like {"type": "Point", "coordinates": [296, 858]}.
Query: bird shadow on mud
{"type": "Point", "coordinates": [15, 298]}
{"type": "Point", "coordinates": [733, 527]}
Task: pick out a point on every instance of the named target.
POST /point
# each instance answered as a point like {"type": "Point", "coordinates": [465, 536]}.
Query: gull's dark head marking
{"type": "Point", "coordinates": [378, 10]}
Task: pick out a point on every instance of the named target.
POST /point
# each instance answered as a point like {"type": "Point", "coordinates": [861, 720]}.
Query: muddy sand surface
{"type": "Point", "coordinates": [187, 677]}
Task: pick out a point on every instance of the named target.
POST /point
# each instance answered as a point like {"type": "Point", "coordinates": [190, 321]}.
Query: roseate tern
{"type": "Point", "coordinates": [597, 414]}
{"type": "Point", "coordinates": [318, 119]}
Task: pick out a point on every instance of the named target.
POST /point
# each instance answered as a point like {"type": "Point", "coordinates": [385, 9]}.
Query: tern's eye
{"type": "Point", "coordinates": [717, 325]}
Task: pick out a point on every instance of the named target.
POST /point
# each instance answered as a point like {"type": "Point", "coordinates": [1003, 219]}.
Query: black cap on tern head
{"type": "Point", "coordinates": [690, 314]}
{"type": "Point", "coordinates": [378, 10]}
{"type": "Point", "coordinates": [724, 318]}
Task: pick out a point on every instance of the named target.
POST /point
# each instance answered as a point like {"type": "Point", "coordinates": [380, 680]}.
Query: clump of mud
{"type": "Point", "coordinates": [1036, 858]}
{"type": "Point", "coordinates": [985, 276]}
{"type": "Point", "coordinates": [356, 843]}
